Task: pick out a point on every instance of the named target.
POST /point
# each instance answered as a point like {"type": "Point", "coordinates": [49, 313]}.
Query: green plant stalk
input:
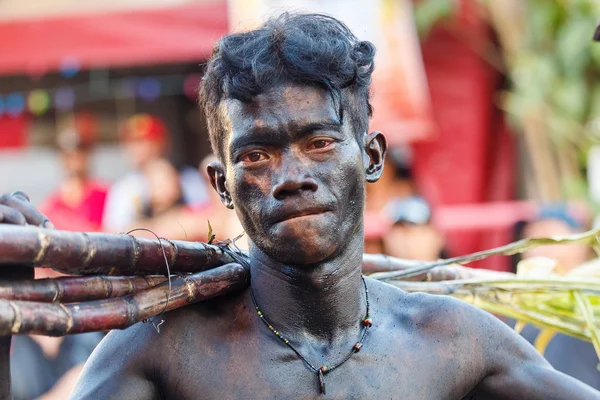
{"type": "Point", "coordinates": [521, 285]}
{"type": "Point", "coordinates": [586, 308]}
{"type": "Point", "coordinates": [530, 317]}
{"type": "Point", "coordinates": [542, 315]}
{"type": "Point", "coordinates": [589, 238]}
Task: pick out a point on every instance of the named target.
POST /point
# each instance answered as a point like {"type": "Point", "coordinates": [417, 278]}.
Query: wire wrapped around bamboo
{"type": "Point", "coordinates": [100, 253]}
{"type": "Point", "coordinates": [26, 317]}
{"type": "Point", "coordinates": [71, 289]}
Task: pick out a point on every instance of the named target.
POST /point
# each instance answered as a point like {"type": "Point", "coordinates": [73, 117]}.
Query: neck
{"type": "Point", "coordinates": [323, 301]}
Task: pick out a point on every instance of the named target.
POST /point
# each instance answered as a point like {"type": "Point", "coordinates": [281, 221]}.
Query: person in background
{"type": "Point", "coordinates": [78, 203]}
{"type": "Point", "coordinates": [567, 354]}
{"type": "Point", "coordinates": [164, 189]}
{"type": "Point", "coordinates": [47, 368]}
{"type": "Point", "coordinates": [165, 212]}
{"type": "Point", "coordinates": [145, 140]}
{"type": "Point", "coordinates": [167, 215]}
{"type": "Point", "coordinates": [412, 236]}
{"type": "Point", "coordinates": [553, 220]}
{"type": "Point", "coordinates": [396, 181]}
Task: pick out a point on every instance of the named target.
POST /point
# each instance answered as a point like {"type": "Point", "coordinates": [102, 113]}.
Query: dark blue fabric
{"type": "Point", "coordinates": [569, 355]}
{"type": "Point", "coordinates": [32, 374]}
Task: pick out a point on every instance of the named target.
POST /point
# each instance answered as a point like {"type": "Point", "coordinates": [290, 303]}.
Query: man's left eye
{"type": "Point", "coordinates": [320, 143]}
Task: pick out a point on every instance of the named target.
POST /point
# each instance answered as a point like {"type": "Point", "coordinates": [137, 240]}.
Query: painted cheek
{"type": "Point", "coordinates": [249, 194]}
{"type": "Point", "coordinates": [347, 176]}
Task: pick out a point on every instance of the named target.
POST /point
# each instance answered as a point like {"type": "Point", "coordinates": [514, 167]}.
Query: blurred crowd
{"type": "Point", "coordinates": [179, 203]}
{"type": "Point", "coordinates": [154, 195]}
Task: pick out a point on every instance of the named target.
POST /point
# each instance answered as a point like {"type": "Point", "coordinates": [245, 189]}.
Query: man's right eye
{"type": "Point", "coordinates": [254, 156]}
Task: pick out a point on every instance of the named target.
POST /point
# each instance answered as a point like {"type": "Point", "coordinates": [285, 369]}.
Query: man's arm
{"type": "Point", "coordinates": [121, 367]}
{"type": "Point", "coordinates": [516, 370]}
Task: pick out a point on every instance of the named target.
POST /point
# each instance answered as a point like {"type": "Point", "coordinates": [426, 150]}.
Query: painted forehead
{"type": "Point", "coordinates": [281, 108]}
{"type": "Point", "coordinates": [285, 102]}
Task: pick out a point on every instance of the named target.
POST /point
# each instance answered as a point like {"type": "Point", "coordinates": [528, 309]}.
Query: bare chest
{"type": "Point", "coordinates": [257, 366]}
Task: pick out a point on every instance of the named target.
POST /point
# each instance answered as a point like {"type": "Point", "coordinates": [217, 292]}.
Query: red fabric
{"type": "Point", "coordinates": [183, 33]}
{"type": "Point", "coordinates": [13, 131]}
{"type": "Point", "coordinates": [472, 159]}
{"type": "Point", "coordinates": [84, 217]}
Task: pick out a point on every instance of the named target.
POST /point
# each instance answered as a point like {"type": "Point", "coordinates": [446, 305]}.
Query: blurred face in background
{"type": "Point", "coordinates": [413, 242]}
{"type": "Point", "coordinates": [76, 162]}
{"type": "Point", "coordinates": [412, 236]}
{"type": "Point", "coordinates": [164, 185]}
{"type": "Point", "coordinates": [142, 151]}
{"type": "Point", "coordinates": [567, 256]}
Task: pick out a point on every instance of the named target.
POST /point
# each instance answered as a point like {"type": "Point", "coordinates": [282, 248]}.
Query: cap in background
{"type": "Point", "coordinates": [77, 132]}
{"type": "Point", "coordinates": [558, 212]}
{"type": "Point", "coordinates": [144, 127]}
{"type": "Point", "coordinates": [410, 210]}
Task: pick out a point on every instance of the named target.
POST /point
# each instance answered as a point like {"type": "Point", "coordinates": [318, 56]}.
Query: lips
{"type": "Point", "coordinates": [288, 214]}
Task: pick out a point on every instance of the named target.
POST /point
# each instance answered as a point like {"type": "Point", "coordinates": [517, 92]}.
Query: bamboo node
{"type": "Point", "coordinates": [108, 287]}
{"type": "Point", "coordinates": [57, 291]}
{"type": "Point", "coordinates": [90, 250]}
{"type": "Point", "coordinates": [44, 244]}
{"type": "Point", "coordinates": [69, 317]}
{"type": "Point", "coordinates": [174, 252]}
{"type": "Point", "coordinates": [137, 249]}
{"type": "Point", "coordinates": [16, 324]}
{"type": "Point", "coordinates": [191, 289]}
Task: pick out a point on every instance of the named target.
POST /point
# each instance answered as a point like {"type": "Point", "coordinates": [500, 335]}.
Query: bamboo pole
{"type": "Point", "coordinates": [76, 289]}
{"type": "Point", "coordinates": [26, 317]}
{"type": "Point", "coordinates": [100, 253]}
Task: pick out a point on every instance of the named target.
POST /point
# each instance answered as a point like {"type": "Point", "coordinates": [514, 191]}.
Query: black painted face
{"type": "Point", "coordinates": [295, 173]}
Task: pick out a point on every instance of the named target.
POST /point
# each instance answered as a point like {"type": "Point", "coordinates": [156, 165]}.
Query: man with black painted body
{"type": "Point", "coordinates": [288, 111]}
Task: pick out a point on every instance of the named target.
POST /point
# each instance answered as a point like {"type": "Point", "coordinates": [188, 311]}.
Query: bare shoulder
{"type": "Point", "coordinates": [422, 308]}
{"type": "Point", "coordinates": [443, 319]}
{"type": "Point", "coordinates": [191, 325]}
{"type": "Point", "coordinates": [156, 339]}
{"type": "Point", "coordinates": [135, 363]}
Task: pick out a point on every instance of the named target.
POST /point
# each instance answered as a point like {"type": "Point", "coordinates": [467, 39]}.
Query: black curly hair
{"type": "Point", "coordinates": [307, 49]}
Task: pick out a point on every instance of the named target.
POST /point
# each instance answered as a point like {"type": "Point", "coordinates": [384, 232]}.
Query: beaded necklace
{"type": "Point", "coordinates": [325, 369]}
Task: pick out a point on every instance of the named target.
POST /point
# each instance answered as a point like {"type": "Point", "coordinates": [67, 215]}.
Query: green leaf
{"type": "Point", "coordinates": [571, 98]}
{"type": "Point", "coordinates": [573, 46]}
{"type": "Point", "coordinates": [429, 12]}
{"type": "Point", "coordinates": [211, 235]}
{"type": "Point", "coordinates": [543, 17]}
{"type": "Point", "coordinates": [594, 111]}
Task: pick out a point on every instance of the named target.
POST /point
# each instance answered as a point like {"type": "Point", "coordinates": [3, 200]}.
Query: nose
{"type": "Point", "coordinates": [292, 182]}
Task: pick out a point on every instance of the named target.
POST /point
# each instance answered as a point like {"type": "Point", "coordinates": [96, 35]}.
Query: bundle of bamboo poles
{"type": "Point", "coordinates": [124, 280]}
{"type": "Point", "coordinates": [119, 283]}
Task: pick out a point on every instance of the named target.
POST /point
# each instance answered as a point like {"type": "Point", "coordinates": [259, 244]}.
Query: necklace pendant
{"type": "Point", "coordinates": [321, 381]}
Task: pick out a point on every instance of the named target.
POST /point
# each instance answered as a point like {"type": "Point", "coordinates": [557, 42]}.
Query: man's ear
{"type": "Point", "coordinates": [375, 149]}
{"type": "Point", "coordinates": [217, 180]}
